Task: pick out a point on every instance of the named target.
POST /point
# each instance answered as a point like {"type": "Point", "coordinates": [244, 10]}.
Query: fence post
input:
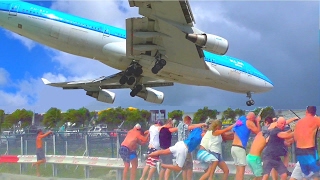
{"type": "Point", "coordinates": [26, 147]}
{"type": "Point", "coordinates": [86, 168]}
{"type": "Point", "coordinates": [54, 168]}
{"type": "Point", "coordinates": [119, 172]}
{"type": "Point", "coordinates": [22, 153]}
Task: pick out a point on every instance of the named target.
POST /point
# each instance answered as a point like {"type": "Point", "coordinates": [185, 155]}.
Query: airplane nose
{"type": "Point", "coordinates": [268, 86]}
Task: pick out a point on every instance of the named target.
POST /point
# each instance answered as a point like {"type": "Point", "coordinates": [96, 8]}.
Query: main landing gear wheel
{"type": "Point", "coordinates": [251, 101]}
{"type": "Point", "coordinates": [136, 90]}
{"type": "Point", "coordinates": [130, 74]}
{"type": "Point", "coordinates": [158, 66]}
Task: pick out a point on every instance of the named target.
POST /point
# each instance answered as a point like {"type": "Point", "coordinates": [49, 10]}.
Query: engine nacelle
{"type": "Point", "coordinates": [102, 95]}
{"type": "Point", "coordinates": [210, 42]}
{"type": "Point", "coordinates": [151, 95]}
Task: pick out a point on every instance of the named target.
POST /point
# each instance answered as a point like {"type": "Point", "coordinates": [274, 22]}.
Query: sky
{"type": "Point", "coordinates": [280, 39]}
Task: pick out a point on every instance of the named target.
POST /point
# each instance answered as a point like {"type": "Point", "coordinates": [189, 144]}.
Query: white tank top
{"type": "Point", "coordinates": [215, 144]}
{"type": "Point", "coordinates": [205, 140]}
{"type": "Point", "coordinates": [154, 137]}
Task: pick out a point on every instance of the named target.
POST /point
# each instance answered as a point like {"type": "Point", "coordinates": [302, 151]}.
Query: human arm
{"type": "Point", "coordinates": [221, 131]}
{"type": "Point", "coordinates": [285, 135]}
{"type": "Point", "coordinates": [174, 129]}
{"type": "Point", "coordinates": [254, 128]}
{"type": "Point", "coordinates": [291, 120]}
{"type": "Point", "coordinates": [227, 136]}
{"type": "Point", "coordinates": [143, 139]}
{"type": "Point", "coordinates": [45, 134]}
{"type": "Point", "coordinates": [193, 126]}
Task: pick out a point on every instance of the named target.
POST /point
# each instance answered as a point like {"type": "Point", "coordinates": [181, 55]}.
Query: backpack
{"type": "Point", "coordinates": [194, 139]}
{"type": "Point", "coordinates": [165, 137]}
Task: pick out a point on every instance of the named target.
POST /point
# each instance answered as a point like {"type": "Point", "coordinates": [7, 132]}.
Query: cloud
{"type": "Point", "coordinates": [269, 35]}
{"type": "Point", "coordinates": [29, 44]}
{"type": "Point", "coordinates": [4, 76]}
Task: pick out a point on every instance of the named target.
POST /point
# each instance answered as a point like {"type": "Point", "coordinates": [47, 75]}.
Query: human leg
{"type": "Point", "coordinates": [239, 157]}
{"type": "Point", "coordinates": [223, 166]}
{"type": "Point", "coordinates": [133, 172]}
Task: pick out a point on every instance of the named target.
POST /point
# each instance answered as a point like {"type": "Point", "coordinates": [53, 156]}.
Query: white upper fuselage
{"type": "Point", "coordinates": [107, 44]}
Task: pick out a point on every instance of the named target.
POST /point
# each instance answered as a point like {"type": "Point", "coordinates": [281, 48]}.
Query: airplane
{"type": "Point", "coordinates": [158, 49]}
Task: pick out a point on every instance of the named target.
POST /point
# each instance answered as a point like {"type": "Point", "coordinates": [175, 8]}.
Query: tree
{"type": "Point", "coordinates": [176, 114]}
{"type": "Point", "coordinates": [267, 111]}
{"type": "Point", "coordinates": [1, 119]}
{"type": "Point", "coordinates": [112, 116]}
{"type": "Point", "coordinates": [52, 118]}
{"type": "Point", "coordinates": [24, 116]}
{"type": "Point", "coordinates": [83, 116]}
{"type": "Point", "coordinates": [229, 114]}
{"type": "Point", "coordinates": [203, 114]}
{"type": "Point", "coordinates": [239, 112]}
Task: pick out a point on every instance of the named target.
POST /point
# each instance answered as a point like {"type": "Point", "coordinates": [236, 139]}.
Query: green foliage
{"type": "Point", "coordinates": [1, 118]}
{"type": "Point", "coordinates": [113, 117]}
{"type": "Point", "coordinates": [52, 118]}
{"type": "Point", "coordinates": [230, 114]}
{"type": "Point", "coordinates": [19, 115]}
{"type": "Point", "coordinates": [176, 114]}
{"type": "Point", "coordinates": [267, 111]}
{"type": "Point", "coordinates": [77, 117]}
{"type": "Point", "coordinates": [203, 114]}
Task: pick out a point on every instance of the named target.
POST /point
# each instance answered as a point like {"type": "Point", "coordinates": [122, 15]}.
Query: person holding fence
{"type": "Point", "coordinates": [165, 137]}
{"type": "Point", "coordinates": [210, 149]}
{"type": "Point", "coordinates": [154, 145]}
{"type": "Point", "coordinates": [41, 158]}
{"type": "Point", "coordinates": [128, 148]}
{"type": "Point", "coordinates": [274, 150]}
{"type": "Point", "coordinates": [306, 149]}
{"type": "Point", "coordinates": [244, 126]}
{"type": "Point", "coordinates": [184, 128]}
{"type": "Point", "coordinates": [180, 150]}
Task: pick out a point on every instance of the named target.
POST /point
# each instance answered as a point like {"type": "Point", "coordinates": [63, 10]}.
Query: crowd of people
{"type": "Point", "coordinates": [268, 153]}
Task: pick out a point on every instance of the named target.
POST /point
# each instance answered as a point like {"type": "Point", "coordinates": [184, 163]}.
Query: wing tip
{"type": "Point", "coordinates": [45, 81]}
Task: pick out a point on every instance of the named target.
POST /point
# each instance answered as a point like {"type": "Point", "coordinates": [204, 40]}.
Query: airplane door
{"type": "Point", "coordinates": [105, 32]}
{"type": "Point", "coordinates": [13, 9]}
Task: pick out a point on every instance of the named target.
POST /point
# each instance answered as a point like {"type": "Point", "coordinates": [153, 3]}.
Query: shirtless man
{"type": "Point", "coordinates": [128, 148]}
{"type": "Point", "coordinates": [304, 136]}
{"type": "Point", "coordinates": [257, 146]}
{"type": "Point", "coordinates": [41, 158]}
{"type": "Point", "coordinates": [274, 150]}
{"type": "Point", "coordinates": [244, 125]}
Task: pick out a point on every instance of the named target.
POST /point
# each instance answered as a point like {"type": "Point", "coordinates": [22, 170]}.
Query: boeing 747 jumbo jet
{"type": "Point", "coordinates": [158, 49]}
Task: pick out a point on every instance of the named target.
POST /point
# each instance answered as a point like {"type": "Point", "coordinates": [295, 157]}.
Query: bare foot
{"type": "Point", "coordinates": [32, 164]}
{"type": "Point", "coordinates": [38, 174]}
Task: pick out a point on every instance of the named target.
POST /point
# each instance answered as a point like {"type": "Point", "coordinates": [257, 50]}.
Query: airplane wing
{"type": "Point", "coordinates": [110, 82]}
{"type": "Point", "coordinates": [163, 30]}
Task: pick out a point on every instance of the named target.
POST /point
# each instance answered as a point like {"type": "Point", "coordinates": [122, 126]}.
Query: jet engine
{"type": "Point", "coordinates": [102, 95]}
{"type": "Point", "coordinates": [210, 42]}
{"type": "Point", "coordinates": [151, 95]}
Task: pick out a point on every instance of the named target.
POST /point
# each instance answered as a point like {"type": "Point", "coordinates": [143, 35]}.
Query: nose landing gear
{"type": "Point", "coordinates": [251, 101]}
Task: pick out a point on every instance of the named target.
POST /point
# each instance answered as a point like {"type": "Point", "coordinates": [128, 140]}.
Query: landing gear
{"type": "Point", "coordinates": [130, 74]}
{"type": "Point", "coordinates": [137, 88]}
{"type": "Point", "coordinates": [251, 101]}
{"type": "Point", "coordinates": [160, 63]}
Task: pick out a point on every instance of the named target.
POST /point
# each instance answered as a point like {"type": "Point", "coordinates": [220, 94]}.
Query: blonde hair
{"type": "Point", "coordinates": [215, 124]}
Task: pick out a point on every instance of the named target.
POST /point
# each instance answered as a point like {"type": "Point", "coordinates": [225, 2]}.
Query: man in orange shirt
{"type": "Point", "coordinates": [41, 158]}
{"type": "Point", "coordinates": [305, 138]}
{"type": "Point", "coordinates": [128, 148]}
